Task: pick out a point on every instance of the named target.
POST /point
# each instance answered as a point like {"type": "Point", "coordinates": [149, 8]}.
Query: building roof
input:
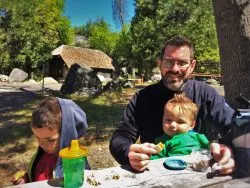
{"type": "Point", "coordinates": [91, 58]}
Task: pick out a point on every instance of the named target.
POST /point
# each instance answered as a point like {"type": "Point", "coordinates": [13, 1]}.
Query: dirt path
{"type": "Point", "coordinates": [13, 98]}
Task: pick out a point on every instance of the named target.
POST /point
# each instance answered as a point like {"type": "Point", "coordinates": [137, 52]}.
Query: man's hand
{"type": "Point", "coordinates": [224, 156]}
{"type": "Point", "coordinates": [139, 155]}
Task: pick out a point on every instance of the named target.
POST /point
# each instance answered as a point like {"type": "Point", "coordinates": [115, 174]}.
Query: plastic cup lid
{"type": "Point", "coordinates": [74, 151]}
{"type": "Point", "coordinates": [175, 164]}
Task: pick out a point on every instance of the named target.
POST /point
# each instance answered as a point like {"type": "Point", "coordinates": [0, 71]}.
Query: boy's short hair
{"type": "Point", "coordinates": [47, 114]}
{"type": "Point", "coordinates": [186, 106]}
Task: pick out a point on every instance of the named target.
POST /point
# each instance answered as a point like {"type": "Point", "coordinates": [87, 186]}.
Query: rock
{"type": "Point", "coordinates": [31, 81]}
{"type": "Point", "coordinates": [101, 77]}
{"type": "Point", "coordinates": [149, 81]}
{"type": "Point", "coordinates": [211, 82]}
{"type": "Point", "coordinates": [156, 77]}
{"type": "Point", "coordinates": [79, 78]}
{"type": "Point", "coordinates": [112, 85]}
{"type": "Point", "coordinates": [49, 80]}
{"type": "Point", "coordinates": [128, 84]}
{"type": "Point", "coordinates": [17, 75]}
{"type": "Point", "coordinates": [3, 78]}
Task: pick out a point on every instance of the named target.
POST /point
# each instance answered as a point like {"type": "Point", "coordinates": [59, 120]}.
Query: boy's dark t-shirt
{"type": "Point", "coordinates": [45, 166]}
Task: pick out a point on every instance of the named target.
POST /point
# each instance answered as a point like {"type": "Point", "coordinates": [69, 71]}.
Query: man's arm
{"type": "Point", "coordinates": [221, 114]}
{"type": "Point", "coordinates": [126, 134]}
{"type": "Point", "coordinates": [219, 111]}
{"type": "Point", "coordinates": [223, 155]}
{"type": "Point", "coordinates": [122, 145]}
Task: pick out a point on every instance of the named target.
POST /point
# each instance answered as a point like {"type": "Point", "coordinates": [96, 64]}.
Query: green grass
{"type": "Point", "coordinates": [15, 125]}
{"type": "Point", "coordinates": [104, 111]}
{"type": "Point", "coordinates": [103, 114]}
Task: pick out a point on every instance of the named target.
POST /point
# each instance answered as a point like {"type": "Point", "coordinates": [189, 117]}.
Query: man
{"type": "Point", "coordinates": [143, 115]}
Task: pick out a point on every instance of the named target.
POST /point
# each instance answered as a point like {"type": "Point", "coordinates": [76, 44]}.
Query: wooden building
{"type": "Point", "coordinates": [64, 56]}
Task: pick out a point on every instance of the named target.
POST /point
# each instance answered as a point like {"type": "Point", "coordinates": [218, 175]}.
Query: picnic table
{"type": "Point", "coordinates": [156, 176]}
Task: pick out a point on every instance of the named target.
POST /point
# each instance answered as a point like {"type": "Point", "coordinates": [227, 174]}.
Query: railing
{"type": "Point", "coordinates": [205, 75]}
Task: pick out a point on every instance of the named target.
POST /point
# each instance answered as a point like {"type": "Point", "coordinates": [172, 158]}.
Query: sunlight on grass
{"type": "Point", "coordinates": [23, 112]}
{"type": "Point", "coordinates": [22, 116]}
{"type": "Point", "coordinates": [105, 110]}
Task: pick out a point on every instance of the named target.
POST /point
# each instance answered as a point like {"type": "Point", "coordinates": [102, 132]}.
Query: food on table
{"type": "Point", "coordinates": [18, 175]}
{"type": "Point", "coordinates": [201, 165]}
{"type": "Point", "coordinates": [159, 147]}
{"type": "Point", "coordinates": [201, 159]}
{"type": "Point", "coordinates": [92, 181]}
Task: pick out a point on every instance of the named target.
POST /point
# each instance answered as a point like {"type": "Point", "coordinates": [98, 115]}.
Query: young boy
{"type": "Point", "coordinates": [55, 122]}
{"type": "Point", "coordinates": [178, 121]}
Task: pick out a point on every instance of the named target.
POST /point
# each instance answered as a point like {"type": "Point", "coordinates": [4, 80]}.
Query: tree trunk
{"type": "Point", "coordinates": [232, 18]}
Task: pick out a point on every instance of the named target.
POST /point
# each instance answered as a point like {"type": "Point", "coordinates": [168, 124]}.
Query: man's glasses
{"type": "Point", "coordinates": [181, 63]}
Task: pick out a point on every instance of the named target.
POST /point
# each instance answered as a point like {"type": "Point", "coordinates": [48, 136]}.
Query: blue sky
{"type": "Point", "coordinates": [81, 11]}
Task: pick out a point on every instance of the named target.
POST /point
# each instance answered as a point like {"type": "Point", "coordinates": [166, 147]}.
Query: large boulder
{"type": "Point", "coordinates": [80, 79]}
{"type": "Point", "coordinates": [17, 75]}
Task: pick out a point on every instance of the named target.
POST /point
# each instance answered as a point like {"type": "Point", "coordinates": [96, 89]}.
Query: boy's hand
{"type": "Point", "coordinates": [20, 177]}
{"type": "Point", "coordinates": [139, 155]}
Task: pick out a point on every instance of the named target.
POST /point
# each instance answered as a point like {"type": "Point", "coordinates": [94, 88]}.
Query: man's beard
{"type": "Point", "coordinates": [172, 84]}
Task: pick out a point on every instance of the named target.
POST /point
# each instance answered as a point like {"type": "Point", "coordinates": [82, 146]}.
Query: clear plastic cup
{"type": "Point", "coordinates": [74, 160]}
{"type": "Point", "coordinates": [201, 159]}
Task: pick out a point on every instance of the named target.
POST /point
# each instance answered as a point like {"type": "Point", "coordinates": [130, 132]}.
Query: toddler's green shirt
{"type": "Point", "coordinates": [180, 144]}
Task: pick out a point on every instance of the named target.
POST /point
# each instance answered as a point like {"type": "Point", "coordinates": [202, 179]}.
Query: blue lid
{"type": "Point", "coordinates": [175, 164]}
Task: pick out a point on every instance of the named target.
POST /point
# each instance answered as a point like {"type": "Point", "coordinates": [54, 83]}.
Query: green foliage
{"type": "Point", "coordinates": [85, 30]}
{"type": "Point", "coordinates": [158, 20]}
{"type": "Point", "coordinates": [28, 34]}
{"type": "Point", "coordinates": [66, 32]}
{"type": "Point", "coordinates": [104, 111]}
{"type": "Point", "coordinates": [122, 48]}
{"type": "Point", "coordinates": [115, 44]}
{"type": "Point", "coordinates": [101, 37]}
